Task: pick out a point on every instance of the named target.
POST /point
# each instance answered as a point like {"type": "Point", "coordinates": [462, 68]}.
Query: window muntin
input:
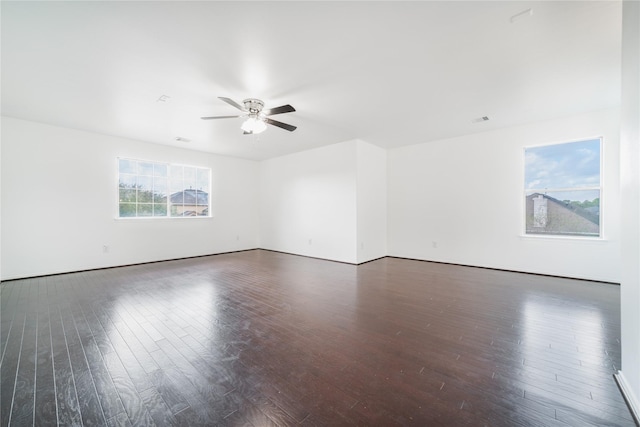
{"type": "Point", "coordinates": [563, 189]}
{"type": "Point", "coordinates": [153, 189]}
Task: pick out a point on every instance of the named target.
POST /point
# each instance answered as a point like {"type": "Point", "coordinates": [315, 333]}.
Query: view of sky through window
{"type": "Point", "coordinates": [566, 167]}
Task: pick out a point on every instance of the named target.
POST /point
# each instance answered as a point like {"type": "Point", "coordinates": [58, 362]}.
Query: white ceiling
{"type": "Point", "coordinates": [390, 73]}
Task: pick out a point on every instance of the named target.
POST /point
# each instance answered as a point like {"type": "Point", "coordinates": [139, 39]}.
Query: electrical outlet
{"type": "Point", "coordinates": [310, 241]}
{"type": "Point", "coordinates": [105, 249]}
{"type": "Point", "coordinates": [434, 244]}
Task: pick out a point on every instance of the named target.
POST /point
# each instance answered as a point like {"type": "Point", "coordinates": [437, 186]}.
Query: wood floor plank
{"type": "Point", "coordinates": [67, 404]}
{"type": "Point", "coordinates": [190, 417]}
{"type": "Point", "coordinates": [120, 420]}
{"type": "Point", "coordinates": [123, 354]}
{"type": "Point", "coordinates": [88, 400]}
{"type": "Point", "coordinates": [135, 346]}
{"type": "Point", "coordinates": [158, 409]}
{"type": "Point", "coordinates": [8, 309]}
{"type": "Point", "coordinates": [186, 390]}
{"type": "Point", "coordinates": [9, 368]}
{"type": "Point", "coordinates": [275, 416]}
{"type": "Point", "coordinates": [169, 391]}
{"type": "Point", "coordinates": [23, 407]}
{"type": "Point", "coordinates": [107, 393]}
{"type": "Point", "coordinates": [136, 411]}
{"type": "Point", "coordinates": [208, 385]}
{"type": "Point", "coordinates": [260, 338]}
{"type": "Point", "coordinates": [45, 413]}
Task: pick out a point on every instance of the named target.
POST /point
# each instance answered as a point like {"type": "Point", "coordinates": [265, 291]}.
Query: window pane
{"type": "Point", "coordinates": [159, 169]}
{"type": "Point", "coordinates": [189, 177]}
{"type": "Point", "coordinates": [570, 165]}
{"type": "Point", "coordinates": [145, 209]}
{"type": "Point", "coordinates": [160, 210]}
{"type": "Point", "coordinates": [203, 180]}
{"type": "Point", "coordinates": [127, 209]}
{"type": "Point", "coordinates": [177, 203]}
{"type": "Point", "coordinates": [176, 185]}
{"type": "Point", "coordinates": [160, 190]}
{"type": "Point", "coordinates": [570, 213]}
{"type": "Point", "coordinates": [127, 195]}
{"type": "Point", "coordinates": [177, 179]}
{"type": "Point", "coordinates": [127, 181]}
{"type": "Point", "coordinates": [176, 171]}
{"type": "Point", "coordinates": [127, 166]}
{"type": "Point", "coordinates": [145, 189]}
{"type": "Point", "coordinates": [159, 198]}
{"type": "Point", "coordinates": [145, 168]}
{"type": "Point", "coordinates": [177, 198]}
{"type": "Point", "coordinates": [145, 183]}
{"type": "Point", "coordinates": [202, 198]}
{"type": "Point", "coordinates": [202, 194]}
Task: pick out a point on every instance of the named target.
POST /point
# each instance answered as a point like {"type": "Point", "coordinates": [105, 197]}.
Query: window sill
{"type": "Point", "coordinates": [558, 237]}
{"type": "Point", "coordinates": [162, 218]}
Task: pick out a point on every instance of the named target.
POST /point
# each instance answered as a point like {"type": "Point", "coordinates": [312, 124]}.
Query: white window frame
{"type": "Point", "coordinates": [599, 188]}
{"type": "Point", "coordinates": [169, 192]}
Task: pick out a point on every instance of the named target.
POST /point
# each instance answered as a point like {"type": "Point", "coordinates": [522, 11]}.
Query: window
{"type": "Point", "coordinates": [562, 189]}
{"type": "Point", "coordinates": [152, 189]}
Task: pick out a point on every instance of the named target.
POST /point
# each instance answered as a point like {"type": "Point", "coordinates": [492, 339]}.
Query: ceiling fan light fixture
{"type": "Point", "coordinates": [254, 125]}
{"type": "Point", "coordinates": [257, 118]}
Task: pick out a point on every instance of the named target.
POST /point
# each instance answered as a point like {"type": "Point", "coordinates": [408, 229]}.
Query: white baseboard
{"type": "Point", "coordinates": [629, 396]}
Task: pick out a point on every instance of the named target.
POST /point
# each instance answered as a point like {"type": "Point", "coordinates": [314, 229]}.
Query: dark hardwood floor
{"type": "Point", "coordinates": [260, 338]}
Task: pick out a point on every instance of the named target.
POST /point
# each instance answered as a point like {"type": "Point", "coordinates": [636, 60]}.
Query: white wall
{"type": "Point", "coordinates": [630, 183]}
{"type": "Point", "coordinates": [308, 203]}
{"type": "Point", "coordinates": [460, 201]}
{"type": "Point", "coordinates": [59, 195]}
{"type": "Point", "coordinates": [329, 202]}
{"type": "Point", "coordinates": [371, 201]}
{"type": "Point", "coordinates": [456, 200]}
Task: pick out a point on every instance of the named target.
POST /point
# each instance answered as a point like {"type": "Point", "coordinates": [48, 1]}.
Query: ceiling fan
{"type": "Point", "coordinates": [256, 115]}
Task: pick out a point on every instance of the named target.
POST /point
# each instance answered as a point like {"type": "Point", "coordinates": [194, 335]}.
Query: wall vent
{"type": "Point", "coordinates": [480, 119]}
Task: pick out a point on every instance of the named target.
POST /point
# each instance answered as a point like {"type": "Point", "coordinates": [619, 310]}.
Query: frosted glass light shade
{"type": "Point", "coordinates": [253, 125]}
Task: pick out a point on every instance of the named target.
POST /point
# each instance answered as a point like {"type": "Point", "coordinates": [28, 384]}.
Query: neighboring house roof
{"type": "Point", "coordinates": [588, 214]}
{"type": "Point", "coordinates": [190, 197]}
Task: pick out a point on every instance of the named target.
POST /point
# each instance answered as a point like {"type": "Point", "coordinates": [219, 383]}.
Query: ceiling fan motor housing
{"type": "Point", "coordinates": [253, 106]}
